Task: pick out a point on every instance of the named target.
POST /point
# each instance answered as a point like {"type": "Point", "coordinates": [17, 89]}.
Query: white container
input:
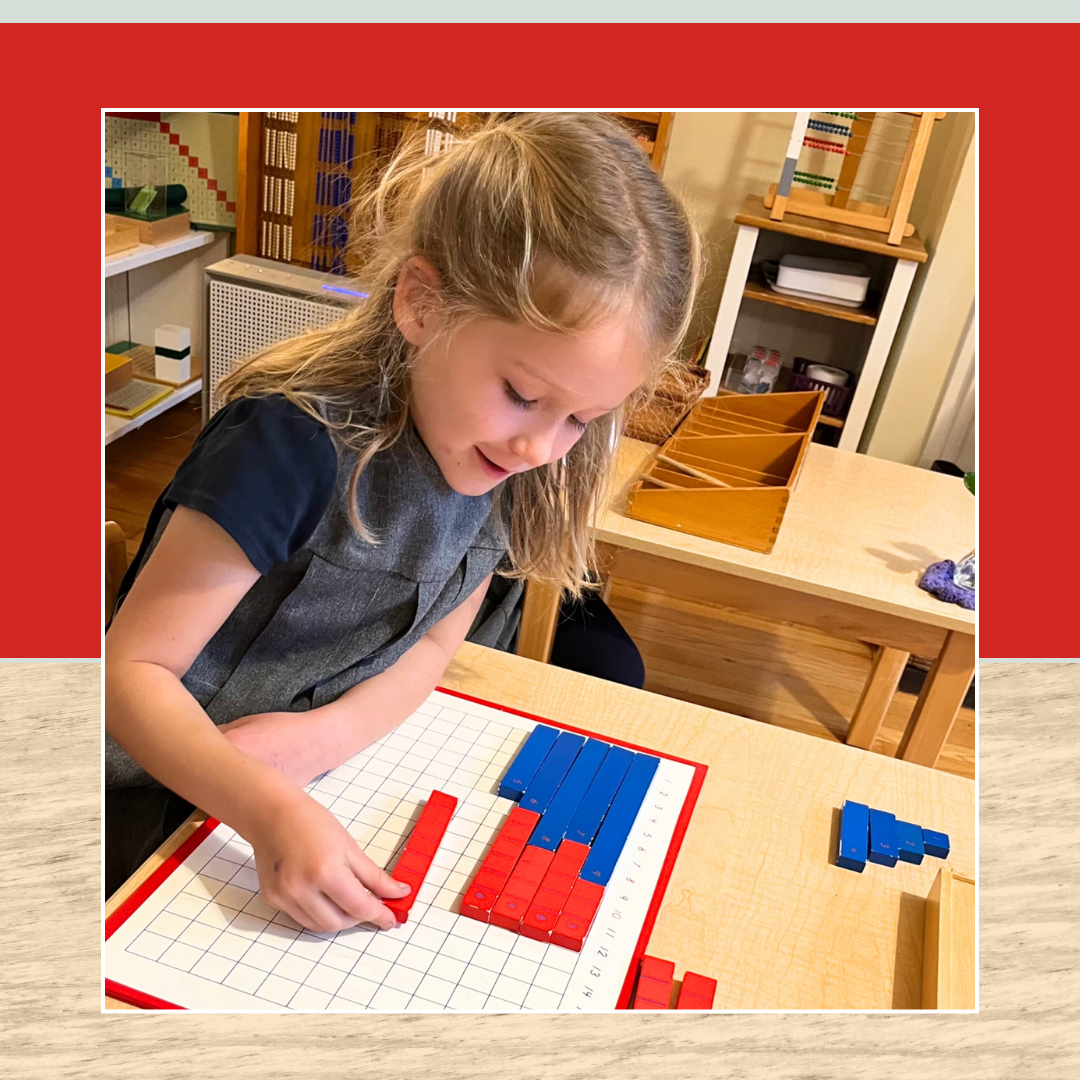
{"type": "Point", "coordinates": [823, 373]}
{"type": "Point", "coordinates": [170, 370]}
{"type": "Point", "coordinates": [173, 338]}
{"type": "Point", "coordinates": [831, 278]}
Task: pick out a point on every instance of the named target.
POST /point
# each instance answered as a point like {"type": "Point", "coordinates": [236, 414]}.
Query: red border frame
{"type": "Point", "coordinates": [142, 1000]}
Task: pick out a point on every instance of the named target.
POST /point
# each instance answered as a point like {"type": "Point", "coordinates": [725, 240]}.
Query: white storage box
{"type": "Point", "coordinates": [832, 278]}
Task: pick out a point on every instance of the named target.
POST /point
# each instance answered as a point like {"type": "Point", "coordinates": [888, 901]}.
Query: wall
{"type": "Point", "coordinates": [942, 296]}
{"type": "Point", "coordinates": [716, 159]}
{"type": "Point", "coordinates": [200, 153]}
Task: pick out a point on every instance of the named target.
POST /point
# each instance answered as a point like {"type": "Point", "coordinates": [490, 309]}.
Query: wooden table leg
{"type": "Point", "coordinates": [885, 671]}
{"type": "Point", "coordinates": [942, 695]}
{"type": "Point", "coordinates": [538, 615]}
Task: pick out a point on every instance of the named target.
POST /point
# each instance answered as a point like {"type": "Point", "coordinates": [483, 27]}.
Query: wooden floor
{"type": "Point", "coordinates": [773, 672]}
{"type": "Point", "coordinates": [140, 466]}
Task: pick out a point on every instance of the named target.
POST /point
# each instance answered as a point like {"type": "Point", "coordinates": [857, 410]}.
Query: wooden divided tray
{"type": "Point", "coordinates": [729, 470]}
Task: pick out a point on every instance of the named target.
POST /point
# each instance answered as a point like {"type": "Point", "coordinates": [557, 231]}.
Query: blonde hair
{"type": "Point", "coordinates": [550, 219]}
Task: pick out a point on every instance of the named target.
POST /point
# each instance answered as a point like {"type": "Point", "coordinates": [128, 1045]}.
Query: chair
{"type": "Point", "coordinates": [116, 563]}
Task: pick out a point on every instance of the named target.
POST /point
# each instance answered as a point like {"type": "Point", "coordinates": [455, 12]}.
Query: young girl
{"type": "Point", "coordinates": [325, 548]}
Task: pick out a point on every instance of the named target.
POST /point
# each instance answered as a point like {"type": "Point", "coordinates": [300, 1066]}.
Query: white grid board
{"type": "Point", "coordinates": [205, 939]}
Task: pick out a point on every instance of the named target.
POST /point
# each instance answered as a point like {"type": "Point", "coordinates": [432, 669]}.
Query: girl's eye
{"type": "Point", "coordinates": [517, 399]}
{"type": "Point", "coordinates": [578, 424]}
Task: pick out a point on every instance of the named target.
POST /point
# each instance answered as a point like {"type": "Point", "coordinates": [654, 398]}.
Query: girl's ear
{"type": "Point", "coordinates": [416, 298]}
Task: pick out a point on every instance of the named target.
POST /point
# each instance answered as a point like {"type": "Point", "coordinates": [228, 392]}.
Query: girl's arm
{"type": "Point", "coordinates": [308, 864]}
{"type": "Point", "coordinates": [303, 745]}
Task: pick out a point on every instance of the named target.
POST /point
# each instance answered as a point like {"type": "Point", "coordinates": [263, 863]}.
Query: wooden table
{"type": "Point", "coordinates": [754, 899]}
{"type": "Point", "coordinates": [857, 533]}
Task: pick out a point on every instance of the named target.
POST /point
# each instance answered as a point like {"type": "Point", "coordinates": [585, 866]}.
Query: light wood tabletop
{"type": "Point", "coordinates": [857, 529]}
{"type": "Point", "coordinates": [857, 534]}
{"type": "Point", "coordinates": [754, 900]}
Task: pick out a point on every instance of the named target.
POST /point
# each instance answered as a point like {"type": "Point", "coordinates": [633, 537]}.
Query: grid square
{"type": "Point", "coordinates": [412, 956]}
{"type": "Point", "coordinates": [309, 999]}
{"type": "Point", "coordinates": [561, 959]}
{"type": "Point", "coordinates": [530, 948]}
{"type": "Point", "coordinates": [499, 938]}
{"type": "Point", "coordinates": [403, 978]}
{"type": "Point", "coordinates": [438, 919]}
{"type": "Point", "coordinates": [435, 990]}
{"type": "Point", "coordinates": [180, 956]}
{"type": "Point", "coordinates": [262, 957]}
{"type": "Point", "coordinates": [277, 989]}
{"type": "Point", "coordinates": [478, 978]}
{"type": "Point", "coordinates": [446, 967]}
{"type": "Point", "coordinates": [219, 869]}
{"type": "Point", "coordinates": [512, 990]}
{"type": "Point", "coordinates": [185, 905]}
{"type": "Point", "coordinates": [247, 877]}
{"type": "Point", "coordinates": [230, 946]}
{"type": "Point", "coordinates": [549, 978]}
{"type": "Point", "coordinates": [280, 937]}
{"type": "Point", "coordinates": [339, 957]}
{"type": "Point", "coordinates": [371, 967]}
{"type": "Point", "coordinates": [385, 947]}
{"type": "Point", "coordinates": [309, 947]}
{"type": "Point", "coordinates": [213, 967]}
{"type": "Point", "coordinates": [199, 935]}
{"type": "Point", "coordinates": [489, 958]}
{"type": "Point", "coordinates": [469, 930]}
{"type": "Point", "coordinates": [168, 925]}
{"type": "Point", "coordinates": [345, 808]}
{"type": "Point", "coordinates": [247, 979]}
{"type": "Point", "coordinates": [358, 990]}
{"type": "Point", "coordinates": [293, 967]}
{"type": "Point", "coordinates": [234, 897]}
{"type": "Point", "coordinates": [248, 925]}
{"type": "Point", "coordinates": [331, 784]}
{"type": "Point", "coordinates": [466, 1000]}
{"type": "Point", "coordinates": [149, 945]}
{"type": "Point", "coordinates": [325, 978]}
{"type": "Point", "coordinates": [388, 999]}
{"type": "Point", "coordinates": [456, 948]}
{"type": "Point", "coordinates": [542, 1000]}
{"type": "Point", "coordinates": [519, 968]}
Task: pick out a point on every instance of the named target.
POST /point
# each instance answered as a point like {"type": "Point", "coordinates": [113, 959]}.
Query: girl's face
{"type": "Point", "coordinates": [495, 398]}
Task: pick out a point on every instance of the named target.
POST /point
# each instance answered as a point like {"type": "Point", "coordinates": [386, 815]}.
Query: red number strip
{"type": "Point", "coordinates": [555, 887]}
{"type": "Point", "coordinates": [654, 983]}
{"type": "Point", "coordinates": [481, 895]}
{"type": "Point", "coordinates": [420, 849]}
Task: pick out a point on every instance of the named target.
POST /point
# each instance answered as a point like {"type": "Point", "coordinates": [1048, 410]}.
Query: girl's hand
{"type": "Point", "coordinates": [282, 739]}
{"type": "Point", "coordinates": [313, 870]}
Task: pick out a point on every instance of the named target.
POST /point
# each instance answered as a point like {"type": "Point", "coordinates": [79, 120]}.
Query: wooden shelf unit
{"type": "Point", "coordinates": [893, 266]}
{"type": "Point", "coordinates": [756, 289]}
{"type": "Point", "coordinates": [330, 156]}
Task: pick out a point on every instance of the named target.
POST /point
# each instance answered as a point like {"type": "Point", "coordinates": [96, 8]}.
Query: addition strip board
{"type": "Point", "coordinates": [198, 935]}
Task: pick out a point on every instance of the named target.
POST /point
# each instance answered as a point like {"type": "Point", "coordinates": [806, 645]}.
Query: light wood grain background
{"type": "Point", "coordinates": [51, 1024]}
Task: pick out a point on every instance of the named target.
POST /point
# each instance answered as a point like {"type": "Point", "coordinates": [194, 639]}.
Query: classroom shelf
{"type": "Point", "coordinates": [756, 289]}
{"type": "Point", "coordinates": [113, 427]}
{"type": "Point", "coordinates": [145, 254]}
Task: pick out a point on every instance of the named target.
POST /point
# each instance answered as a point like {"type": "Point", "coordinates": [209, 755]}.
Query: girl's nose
{"type": "Point", "coordinates": [534, 448]}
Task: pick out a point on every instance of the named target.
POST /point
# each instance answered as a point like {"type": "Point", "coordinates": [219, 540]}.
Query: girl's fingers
{"type": "Point", "coordinates": [376, 879]}
{"type": "Point", "coordinates": [355, 903]}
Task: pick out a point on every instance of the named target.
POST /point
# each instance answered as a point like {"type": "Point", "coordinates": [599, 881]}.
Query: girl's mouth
{"type": "Point", "coordinates": [490, 467]}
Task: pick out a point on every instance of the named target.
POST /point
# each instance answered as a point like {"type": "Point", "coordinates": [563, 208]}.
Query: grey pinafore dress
{"type": "Point", "coordinates": [342, 610]}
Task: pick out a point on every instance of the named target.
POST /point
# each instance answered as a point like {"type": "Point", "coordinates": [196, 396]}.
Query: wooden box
{"type": "Point", "coordinates": [161, 230]}
{"type": "Point", "coordinates": [120, 234]}
{"type": "Point", "coordinates": [118, 372]}
{"type": "Point", "coordinates": [729, 470]}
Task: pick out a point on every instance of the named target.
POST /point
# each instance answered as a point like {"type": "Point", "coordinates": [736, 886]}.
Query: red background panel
{"type": "Point", "coordinates": [1021, 77]}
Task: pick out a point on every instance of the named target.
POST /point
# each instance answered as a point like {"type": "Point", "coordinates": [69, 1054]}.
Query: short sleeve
{"type": "Point", "coordinates": [264, 470]}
